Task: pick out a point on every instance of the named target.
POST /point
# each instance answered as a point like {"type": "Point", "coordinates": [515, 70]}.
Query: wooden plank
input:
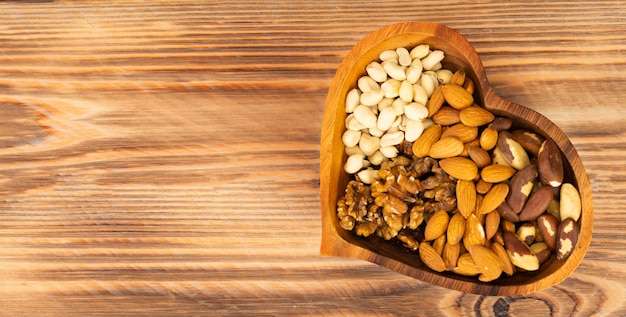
{"type": "Point", "coordinates": [163, 158]}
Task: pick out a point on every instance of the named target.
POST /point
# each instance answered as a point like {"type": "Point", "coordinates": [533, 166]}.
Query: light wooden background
{"type": "Point", "coordinates": [162, 158]}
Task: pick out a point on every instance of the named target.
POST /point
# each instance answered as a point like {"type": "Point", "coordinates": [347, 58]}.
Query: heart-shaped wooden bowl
{"type": "Point", "coordinates": [333, 180]}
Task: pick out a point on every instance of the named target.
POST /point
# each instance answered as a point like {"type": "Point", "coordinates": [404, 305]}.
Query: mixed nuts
{"type": "Point", "coordinates": [470, 192]}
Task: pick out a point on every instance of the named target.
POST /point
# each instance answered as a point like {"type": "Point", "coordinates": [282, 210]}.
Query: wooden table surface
{"type": "Point", "coordinates": [162, 158]}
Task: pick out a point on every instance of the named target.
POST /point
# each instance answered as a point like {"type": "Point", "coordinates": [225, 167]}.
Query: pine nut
{"type": "Point", "coordinates": [376, 132]}
{"type": "Point", "coordinates": [376, 158]}
{"type": "Point", "coordinates": [366, 163]}
{"type": "Point", "coordinates": [415, 111]}
{"type": "Point", "coordinates": [428, 122]}
{"type": "Point", "coordinates": [433, 76]}
{"type": "Point", "coordinates": [386, 117]}
{"type": "Point", "coordinates": [372, 97]}
{"type": "Point", "coordinates": [374, 109]}
{"type": "Point", "coordinates": [351, 138]}
{"type": "Point", "coordinates": [387, 55]}
{"type": "Point", "coordinates": [427, 83]}
{"type": "Point", "coordinates": [413, 73]}
{"type": "Point", "coordinates": [388, 105]}
{"type": "Point", "coordinates": [389, 151]}
{"type": "Point", "coordinates": [366, 83]}
{"type": "Point", "coordinates": [402, 125]}
{"type": "Point", "coordinates": [376, 71]}
{"type": "Point", "coordinates": [398, 106]}
{"type": "Point", "coordinates": [354, 163]}
{"type": "Point", "coordinates": [406, 91]}
{"type": "Point", "coordinates": [393, 138]}
{"type": "Point", "coordinates": [395, 124]}
{"type": "Point", "coordinates": [432, 59]}
{"type": "Point", "coordinates": [354, 150]}
{"type": "Point", "coordinates": [365, 116]}
{"type": "Point", "coordinates": [353, 124]}
{"type": "Point", "coordinates": [419, 94]}
{"type": "Point", "coordinates": [367, 176]}
{"type": "Point", "coordinates": [391, 88]}
{"type": "Point", "coordinates": [394, 70]}
{"type": "Point", "coordinates": [420, 51]}
{"type": "Point", "coordinates": [444, 76]}
{"type": "Point", "coordinates": [385, 103]}
{"type": "Point", "coordinates": [352, 100]}
{"type": "Point", "coordinates": [414, 129]}
{"type": "Point", "coordinates": [404, 58]}
{"type": "Point", "coordinates": [369, 144]}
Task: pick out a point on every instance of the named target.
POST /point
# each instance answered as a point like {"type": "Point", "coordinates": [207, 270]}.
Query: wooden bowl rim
{"type": "Point", "coordinates": [332, 242]}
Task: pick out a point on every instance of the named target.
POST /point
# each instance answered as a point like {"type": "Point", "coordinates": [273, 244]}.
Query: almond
{"type": "Point", "coordinates": [487, 263]}
{"type": "Point", "coordinates": [550, 164]}
{"type": "Point", "coordinates": [474, 232]}
{"type": "Point", "coordinates": [456, 228]}
{"type": "Point", "coordinates": [459, 167]}
{"type": "Point", "coordinates": [570, 205]}
{"type": "Point", "coordinates": [446, 147]}
{"type": "Point", "coordinates": [496, 196]}
{"type": "Point", "coordinates": [479, 156]}
{"type": "Point", "coordinates": [435, 102]}
{"type": "Point", "coordinates": [446, 115]}
{"type": "Point", "coordinates": [430, 258]}
{"type": "Point", "coordinates": [456, 96]}
{"type": "Point", "coordinates": [451, 254]}
{"type": "Point", "coordinates": [507, 226]}
{"type": "Point", "coordinates": [497, 238]}
{"type": "Point", "coordinates": [422, 145]}
{"type": "Point", "coordinates": [462, 132]}
{"type": "Point", "coordinates": [465, 197]}
{"type": "Point", "coordinates": [465, 266]}
{"type": "Point", "coordinates": [458, 78]}
{"type": "Point", "coordinates": [492, 224]}
{"type": "Point", "coordinates": [483, 187]}
{"type": "Point", "coordinates": [436, 225]}
{"type": "Point", "coordinates": [537, 203]}
{"type": "Point", "coordinates": [439, 244]}
{"type": "Point", "coordinates": [479, 202]}
{"type": "Point", "coordinates": [475, 116]}
{"type": "Point", "coordinates": [474, 143]}
{"type": "Point", "coordinates": [488, 139]}
{"type": "Point", "coordinates": [505, 261]}
{"type": "Point", "coordinates": [469, 85]}
{"type": "Point", "coordinates": [567, 238]}
{"type": "Point", "coordinates": [496, 173]}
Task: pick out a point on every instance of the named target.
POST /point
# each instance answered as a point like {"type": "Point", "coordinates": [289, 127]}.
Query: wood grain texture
{"type": "Point", "coordinates": [162, 158]}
